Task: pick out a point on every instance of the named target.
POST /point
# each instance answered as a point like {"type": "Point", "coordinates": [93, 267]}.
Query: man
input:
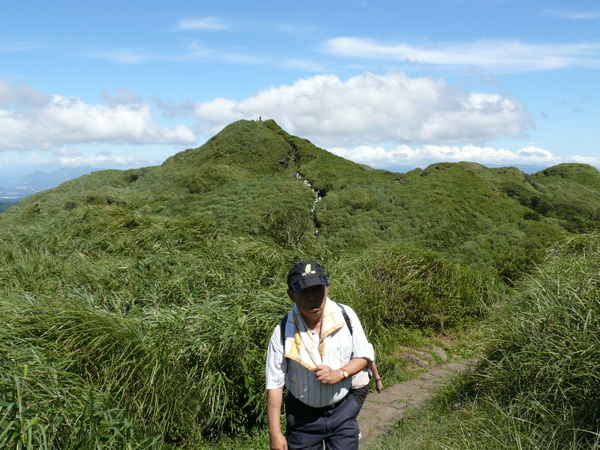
{"type": "Point", "coordinates": [322, 345]}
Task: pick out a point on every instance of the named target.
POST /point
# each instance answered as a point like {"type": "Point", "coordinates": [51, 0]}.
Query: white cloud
{"type": "Point", "coordinates": [404, 155]}
{"type": "Point", "coordinates": [490, 54]}
{"type": "Point", "coordinates": [21, 94]}
{"type": "Point", "coordinates": [373, 108]}
{"type": "Point", "coordinates": [42, 121]}
{"type": "Point", "coordinates": [101, 159]}
{"type": "Point", "coordinates": [572, 15]}
{"type": "Point", "coordinates": [204, 24]}
{"type": "Point", "coordinates": [66, 152]}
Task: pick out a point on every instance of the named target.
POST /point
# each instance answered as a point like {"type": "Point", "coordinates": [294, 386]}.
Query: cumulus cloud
{"type": "Point", "coordinates": [490, 54]}
{"type": "Point", "coordinates": [35, 120]}
{"type": "Point", "coordinates": [371, 108]}
{"type": "Point", "coordinates": [21, 94]}
{"type": "Point", "coordinates": [103, 158]}
{"type": "Point", "coordinates": [404, 155]}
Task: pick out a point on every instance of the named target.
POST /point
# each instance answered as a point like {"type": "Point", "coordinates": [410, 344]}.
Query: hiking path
{"type": "Point", "coordinates": [382, 410]}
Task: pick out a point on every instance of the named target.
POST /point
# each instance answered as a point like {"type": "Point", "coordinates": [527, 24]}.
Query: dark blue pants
{"type": "Point", "coordinates": [308, 427]}
{"type": "Point", "coordinates": [360, 394]}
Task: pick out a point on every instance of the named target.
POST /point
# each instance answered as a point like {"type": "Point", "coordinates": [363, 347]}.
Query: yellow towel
{"type": "Point", "coordinates": [301, 345]}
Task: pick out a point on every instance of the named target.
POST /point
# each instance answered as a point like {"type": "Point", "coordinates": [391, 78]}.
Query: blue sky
{"type": "Point", "coordinates": [392, 84]}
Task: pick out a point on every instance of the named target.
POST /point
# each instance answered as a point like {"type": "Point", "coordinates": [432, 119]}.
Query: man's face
{"type": "Point", "coordinates": [310, 302]}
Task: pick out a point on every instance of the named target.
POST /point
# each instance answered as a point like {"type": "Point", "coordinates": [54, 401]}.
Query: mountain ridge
{"type": "Point", "coordinates": [242, 181]}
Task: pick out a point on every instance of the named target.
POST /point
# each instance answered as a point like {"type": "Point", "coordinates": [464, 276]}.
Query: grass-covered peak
{"type": "Point", "coordinates": [582, 174]}
{"type": "Point", "coordinates": [254, 147]}
{"type": "Point", "coordinates": [241, 182]}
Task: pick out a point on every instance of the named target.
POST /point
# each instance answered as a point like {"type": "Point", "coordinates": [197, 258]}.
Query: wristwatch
{"type": "Point", "coordinates": [345, 373]}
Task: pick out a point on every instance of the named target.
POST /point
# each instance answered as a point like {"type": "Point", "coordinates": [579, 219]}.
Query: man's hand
{"type": "Point", "coordinates": [278, 442]}
{"type": "Point", "coordinates": [327, 375]}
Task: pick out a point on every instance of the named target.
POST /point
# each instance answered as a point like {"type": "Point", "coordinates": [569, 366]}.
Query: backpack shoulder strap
{"type": "Point", "coordinates": [346, 318]}
{"type": "Point", "coordinates": [282, 330]}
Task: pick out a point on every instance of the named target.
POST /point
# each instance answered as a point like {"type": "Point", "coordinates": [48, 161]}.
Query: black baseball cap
{"type": "Point", "coordinates": [305, 274]}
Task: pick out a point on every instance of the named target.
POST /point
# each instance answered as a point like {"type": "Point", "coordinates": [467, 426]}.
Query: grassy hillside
{"type": "Point", "coordinates": [241, 182]}
{"type": "Point", "coordinates": [137, 304]}
{"type": "Point", "coordinates": [5, 205]}
{"type": "Point", "coordinates": [537, 388]}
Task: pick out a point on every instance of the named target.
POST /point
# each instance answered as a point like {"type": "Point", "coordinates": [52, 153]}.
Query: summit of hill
{"type": "Point", "coordinates": [255, 148]}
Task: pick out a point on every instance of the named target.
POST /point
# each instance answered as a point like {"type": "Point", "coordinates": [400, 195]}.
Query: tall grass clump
{"type": "Point", "coordinates": [538, 386]}
{"type": "Point", "coordinates": [543, 354]}
{"type": "Point", "coordinates": [73, 373]}
{"type": "Point", "coordinates": [158, 331]}
{"type": "Point", "coordinates": [405, 287]}
{"type": "Point", "coordinates": [405, 297]}
{"type": "Point", "coordinates": [44, 403]}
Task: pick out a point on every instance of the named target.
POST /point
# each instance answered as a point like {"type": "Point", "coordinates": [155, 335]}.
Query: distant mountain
{"type": "Point", "coordinates": [12, 189]}
{"type": "Point", "coordinates": [47, 180]}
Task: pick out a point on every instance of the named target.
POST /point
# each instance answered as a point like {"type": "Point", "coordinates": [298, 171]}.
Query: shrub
{"type": "Point", "coordinates": [405, 287]}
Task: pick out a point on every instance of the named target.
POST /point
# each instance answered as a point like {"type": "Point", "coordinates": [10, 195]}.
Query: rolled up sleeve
{"type": "Point", "coordinates": [276, 363]}
{"type": "Point", "coordinates": [361, 347]}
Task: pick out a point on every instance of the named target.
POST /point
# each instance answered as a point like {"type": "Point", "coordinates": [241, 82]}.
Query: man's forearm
{"type": "Point", "coordinates": [274, 401]}
{"type": "Point", "coordinates": [354, 366]}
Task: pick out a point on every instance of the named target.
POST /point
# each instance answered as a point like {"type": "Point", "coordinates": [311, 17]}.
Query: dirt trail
{"type": "Point", "coordinates": [381, 411]}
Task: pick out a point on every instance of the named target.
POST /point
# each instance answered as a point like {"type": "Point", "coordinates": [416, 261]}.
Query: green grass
{"type": "Point", "coordinates": [149, 318]}
{"type": "Point", "coordinates": [538, 384]}
{"type": "Point", "coordinates": [241, 182]}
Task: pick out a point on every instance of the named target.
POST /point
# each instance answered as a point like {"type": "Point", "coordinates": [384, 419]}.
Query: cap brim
{"type": "Point", "coordinates": [300, 285]}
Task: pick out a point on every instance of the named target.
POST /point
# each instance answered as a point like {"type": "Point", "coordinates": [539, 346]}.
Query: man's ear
{"type": "Point", "coordinates": [290, 293]}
